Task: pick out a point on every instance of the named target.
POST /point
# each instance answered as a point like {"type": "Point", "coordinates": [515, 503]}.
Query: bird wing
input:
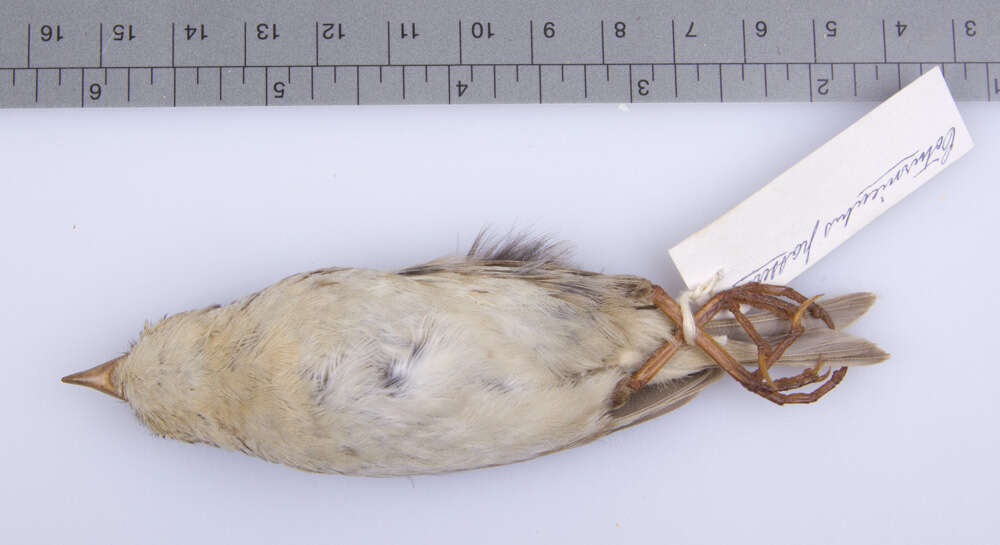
{"type": "Point", "coordinates": [658, 399]}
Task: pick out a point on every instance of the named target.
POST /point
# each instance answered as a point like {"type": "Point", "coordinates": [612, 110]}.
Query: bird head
{"type": "Point", "coordinates": [165, 376]}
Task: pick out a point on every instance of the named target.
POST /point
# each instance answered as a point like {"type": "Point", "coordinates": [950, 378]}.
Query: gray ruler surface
{"type": "Point", "coordinates": [86, 53]}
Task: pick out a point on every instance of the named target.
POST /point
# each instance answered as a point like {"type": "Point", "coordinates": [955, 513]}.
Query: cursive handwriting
{"type": "Point", "coordinates": [776, 265]}
{"type": "Point", "coordinates": [909, 167]}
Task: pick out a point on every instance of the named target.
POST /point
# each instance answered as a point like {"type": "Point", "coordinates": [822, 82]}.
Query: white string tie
{"type": "Point", "coordinates": [698, 295]}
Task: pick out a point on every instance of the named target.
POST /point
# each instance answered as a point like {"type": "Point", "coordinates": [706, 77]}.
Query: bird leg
{"type": "Point", "coordinates": [762, 296]}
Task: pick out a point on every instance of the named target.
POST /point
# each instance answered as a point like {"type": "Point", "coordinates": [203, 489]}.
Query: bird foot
{"type": "Point", "coordinates": [780, 300]}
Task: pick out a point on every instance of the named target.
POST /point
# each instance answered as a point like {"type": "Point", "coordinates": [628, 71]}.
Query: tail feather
{"type": "Point", "coordinates": [836, 347]}
{"type": "Point", "coordinates": [844, 310]}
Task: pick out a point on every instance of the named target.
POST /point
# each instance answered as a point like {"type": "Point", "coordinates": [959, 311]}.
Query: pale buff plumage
{"type": "Point", "coordinates": [456, 364]}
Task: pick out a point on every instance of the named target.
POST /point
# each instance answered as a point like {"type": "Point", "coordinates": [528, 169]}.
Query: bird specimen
{"type": "Point", "coordinates": [498, 356]}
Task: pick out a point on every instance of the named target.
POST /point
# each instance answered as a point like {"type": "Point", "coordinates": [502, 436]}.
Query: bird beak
{"type": "Point", "coordinates": [98, 378]}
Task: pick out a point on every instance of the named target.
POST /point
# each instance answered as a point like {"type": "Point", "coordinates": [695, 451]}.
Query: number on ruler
{"type": "Point", "coordinates": [267, 31]}
{"type": "Point", "coordinates": [461, 88]}
{"type": "Point", "coordinates": [279, 89]}
{"type": "Point", "coordinates": [690, 32]}
{"type": "Point", "coordinates": [549, 30]}
{"type": "Point", "coordinates": [479, 30]}
{"type": "Point", "coordinates": [823, 86]}
{"type": "Point", "coordinates": [900, 28]}
{"type": "Point", "coordinates": [760, 29]}
{"type": "Point", "coordinates": [970, 28]}
{"type": "Point", "coordinates": [642, 87]}
{"type": "Point", "coordinates": [122, 33]}
{"type": "Point", "coordinates": [831, 29]}
{"type": "Point", "coordinates": [412, 34]}
{"type": "Point", "coordinates": [620, 29]}
{"type": "Point", "coordinates": [333, 31]}
{"type": "Point", "coordinates": [192, 32]}
{"type": "Point", "coordinates": [95, 91]}
{"type": "Point", "coordinates": [48, 33]}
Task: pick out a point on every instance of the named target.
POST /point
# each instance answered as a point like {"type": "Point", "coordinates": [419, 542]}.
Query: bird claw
{"type": "Point", "coordinates": [782, 301]}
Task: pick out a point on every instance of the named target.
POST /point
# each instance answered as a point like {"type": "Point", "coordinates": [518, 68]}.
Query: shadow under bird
{"type": "Point", "coordinates": [499, 356]}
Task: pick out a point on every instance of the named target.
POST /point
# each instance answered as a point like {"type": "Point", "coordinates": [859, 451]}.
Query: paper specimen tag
{"type": "Point", "coordinates": [813, 207]}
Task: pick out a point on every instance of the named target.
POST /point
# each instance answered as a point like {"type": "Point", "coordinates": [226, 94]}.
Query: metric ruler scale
{"type": "Point", "coordinates": [86, 53]}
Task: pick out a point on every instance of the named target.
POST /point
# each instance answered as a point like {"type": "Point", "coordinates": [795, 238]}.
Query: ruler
{"type": "Point", "coordinates": [112, 53]}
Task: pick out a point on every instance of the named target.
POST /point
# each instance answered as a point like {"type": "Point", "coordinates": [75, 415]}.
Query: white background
{"type": "Point", "coordinates": [110, 218]}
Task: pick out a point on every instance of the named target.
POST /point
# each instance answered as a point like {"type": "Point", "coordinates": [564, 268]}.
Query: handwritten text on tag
{"type": "Point", "coordinates": [806, 212]}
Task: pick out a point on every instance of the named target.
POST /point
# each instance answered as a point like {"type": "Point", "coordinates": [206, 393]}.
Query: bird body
{"type": "Point", "coordinates": [493, 358]}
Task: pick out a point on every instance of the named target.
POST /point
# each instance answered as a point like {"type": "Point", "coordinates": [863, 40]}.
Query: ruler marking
{"type": "Point", "coordinates": [128, 84]}
{"type": "Point", "coordinates": [815, 54]}
{"type": "Point", "coordinates": [885, 48]}
{"type": "Point", "coordinates": [701, 91]}
{"type": "Point", "coordinates": [810, 83]}
{"type": "Point", "coordinates": [630, 97]}
{"type": "Point", "coordinates": [673, 43]}
{"type": "Point", "coordinates": [357, 85]}
{"type": "Point", "coordinates": [517, 73]}
{"type": "Point", "coordinates": [531, 40]}
{"type": "Point", "coordinates": [83, 83]}
{"type": "Point", "coordinates": [539, 84]}
{"type": "Point", "coordinates": [673, 48]}
{"type": "Point", "coordinates": [954, 42]}
{"type": "Point", "coordinates": [743, 24]}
